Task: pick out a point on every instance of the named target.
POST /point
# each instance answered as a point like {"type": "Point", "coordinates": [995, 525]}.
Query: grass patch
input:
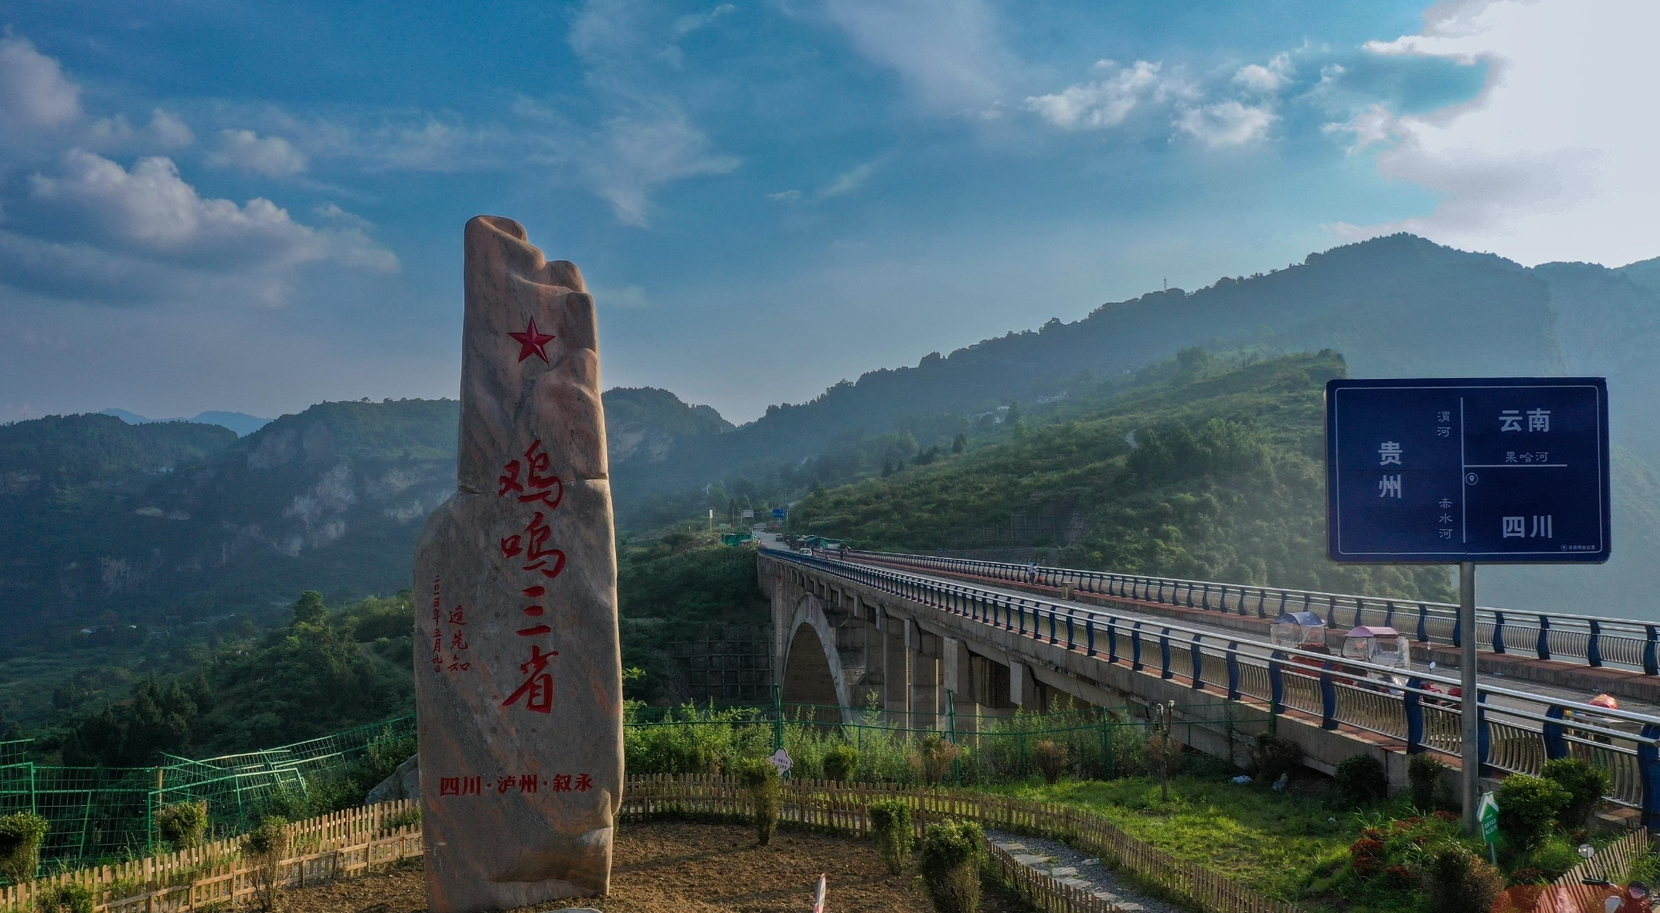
{"type": "Point", "coordinates": [1270, 842]}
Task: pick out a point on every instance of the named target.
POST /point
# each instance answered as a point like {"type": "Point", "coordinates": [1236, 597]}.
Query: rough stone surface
{"type": "Point", "coordinates": [518, 672]}
{"type": "Point", "coordinates": [404, 783]}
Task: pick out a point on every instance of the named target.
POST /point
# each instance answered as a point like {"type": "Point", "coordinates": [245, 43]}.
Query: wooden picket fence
{"type": "Point", "coordinates": [216, 876]}
{"type": "Point", "coordinates": [1570, 894]}
{"type": "Point", "coordinates": [842, 807]}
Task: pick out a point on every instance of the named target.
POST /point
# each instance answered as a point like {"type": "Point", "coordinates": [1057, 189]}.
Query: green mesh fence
{"type": "Point", "coordinates": [893, 746]}
{"type": "Point", "coordinates": [101, 814]}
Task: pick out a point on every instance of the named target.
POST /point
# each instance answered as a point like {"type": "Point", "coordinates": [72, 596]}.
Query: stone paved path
{"type": "Point", "coordinates": [1065, 864]}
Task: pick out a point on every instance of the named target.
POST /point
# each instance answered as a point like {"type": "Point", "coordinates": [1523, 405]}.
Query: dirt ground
{"type": "Point", "coordinates": [679, 867]}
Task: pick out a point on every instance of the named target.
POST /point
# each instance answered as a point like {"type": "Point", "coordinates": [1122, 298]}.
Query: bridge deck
{"type": "Point", "coordinates": [1250, 630]}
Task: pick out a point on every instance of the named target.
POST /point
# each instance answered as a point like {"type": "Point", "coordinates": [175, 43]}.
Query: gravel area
{"type": "Point", "coordinates": [1064, 863]}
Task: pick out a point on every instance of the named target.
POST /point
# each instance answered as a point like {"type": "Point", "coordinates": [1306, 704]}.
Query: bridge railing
{"type": "Point", "coordinates": [1614, 642]}
{"type": "Point", "coordinates": [1519, 731]}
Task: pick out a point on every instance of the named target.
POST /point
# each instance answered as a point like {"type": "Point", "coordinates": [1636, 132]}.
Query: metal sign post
{"type": "Point", "coordinates": [1469, 723]}
{"type": "Point", "coordinates": [1466, 471]}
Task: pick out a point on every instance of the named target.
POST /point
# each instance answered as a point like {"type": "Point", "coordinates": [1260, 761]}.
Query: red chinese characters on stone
{"type": "Point", "coordinates": [524, 784]}
{"type": "Point", "coordinates": [537, 689]}
{"type": "Point", "coordinates": [538, 484]}
{"type": "Point", "coordinates": [460, 786]}
{"type": "Point", "coordinates": [529, 480]}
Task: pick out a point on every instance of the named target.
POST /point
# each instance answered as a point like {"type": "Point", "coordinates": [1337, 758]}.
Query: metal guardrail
{"type": "Point", "coordinates": [1598, 642]}
{"type": "Point", "coordinates": [1519, 731]}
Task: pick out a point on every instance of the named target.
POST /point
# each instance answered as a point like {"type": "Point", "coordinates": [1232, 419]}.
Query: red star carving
{"type": "Point", "coordinates": [532, 342]}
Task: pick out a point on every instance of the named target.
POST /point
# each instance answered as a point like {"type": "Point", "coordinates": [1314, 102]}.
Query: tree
{"type": "Point", "coordinates": [310, 610]}
{"type": "Point", "coordinates": [959, 443]}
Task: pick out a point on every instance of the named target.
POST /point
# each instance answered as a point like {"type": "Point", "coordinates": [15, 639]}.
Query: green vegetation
{"type": "Point", "coordinates": [1361, 780]}
{"type": "Point", "coordinates": [760, 777]}
{"type": "Point", "coordinates": [675, 589]}
{"type": "Point", "coordinates": [953, 853]}
{"type": "Point", "coordinates": [890, 825]}
{"type": "Point", "coordinates": [1528, 806]}
{"type": "Point", "coordinates": [1213, 472]}
{"type": "Point", "coordinates": [67, 898]}
{"type": "Point", "coordinates": [20, 836]}
{"type": "Point", "coordinates": [1423, 774]}
{"type": "Point", "coordinates": [1584, 784]}
{"type": "Point", "coordinates": [324, 672]}
{"type": "Point", "coordinates": [182, 824]}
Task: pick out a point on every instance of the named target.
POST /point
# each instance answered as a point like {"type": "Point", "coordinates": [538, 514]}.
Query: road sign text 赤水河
{"type": "Point", "coordinates": [1468, 469]}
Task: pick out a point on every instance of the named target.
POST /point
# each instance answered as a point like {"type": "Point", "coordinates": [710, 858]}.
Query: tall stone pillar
{"type": "Point", "coordinates": [925, 679]}
{"type": "Point", "coordinates": [518, 676]}
{"type": "Point", "coordinates": [896, 670]}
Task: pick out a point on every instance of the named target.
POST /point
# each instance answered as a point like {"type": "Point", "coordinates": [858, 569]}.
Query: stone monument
{"type": "Point", "coordinates": [518, 674]}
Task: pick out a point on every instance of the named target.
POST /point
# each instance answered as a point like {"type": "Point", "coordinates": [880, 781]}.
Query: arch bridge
{"type": "Point", "coordinates": [924, 638]}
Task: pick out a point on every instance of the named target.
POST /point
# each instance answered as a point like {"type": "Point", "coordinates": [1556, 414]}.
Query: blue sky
{"type": "Point", "coordinates": [256, 207]}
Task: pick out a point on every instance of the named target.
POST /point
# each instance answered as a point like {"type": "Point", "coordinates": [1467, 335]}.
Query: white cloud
{"type": "Point", "coordinates": [111, 234]}
{"type": "Point", "coordinates": [636, 155]}
{"type": "Point", "coordinates": [946, 52]}
{"type": "Point", "coordinates": [1554, 159]}
{"type": "Point", "coordinates": [851, 180]}
{"type": "Point", "coordinates": [250, 153]}
{"type": "Point", "coordinates": [1102, 103]}
{"type": "Point", "coordinates": [785, 196]}
{"type": "Point", "coordinates": [1226, 123]}
{"type": "Point", "coordinates": [690, 23]}
{"type": "Point", "coordinates": [1373, 126]}
{"type": "Point", "coordinates": [35, 96]}
{"type": "Point", "coordinates": [1268, 79]}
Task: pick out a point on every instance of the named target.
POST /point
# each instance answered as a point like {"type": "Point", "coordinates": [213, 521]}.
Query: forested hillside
{"type": "Point", "coordinates": [1214, 473]}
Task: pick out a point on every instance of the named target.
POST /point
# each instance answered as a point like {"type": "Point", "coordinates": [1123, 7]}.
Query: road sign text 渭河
{"type": "Point", "coordinates": [1484, 470]}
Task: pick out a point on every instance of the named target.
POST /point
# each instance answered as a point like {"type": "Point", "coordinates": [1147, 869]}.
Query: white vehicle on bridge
{"type": "Point", "coordinates": [1304, 631]}
{"type": "Point", "coordinates": [1380, 646]}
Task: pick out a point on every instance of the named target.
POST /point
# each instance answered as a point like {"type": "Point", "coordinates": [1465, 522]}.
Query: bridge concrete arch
{"type": "Point", "coordinates": [813, 672]}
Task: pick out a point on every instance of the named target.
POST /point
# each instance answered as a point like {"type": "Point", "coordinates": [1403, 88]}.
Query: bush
{"type": "Point", "coordinates": [1051, 760]}
{"type": "Point", "coordinates": [68, 898]}
{"type": "Point", "coordinates": [841, 763]}
{"type": "Point", "coordinates": [1273, 756]}
{"type": "Point", "coordinates": [933, 759]}
{"type": "Point", "coordinates": [1527, 806]}
{"type": "Point", "coordinates": [182, 824]}
{"type": "Point", "coordinates": [890, 824]}
{"type": "Point", "coordinates": [1459, 881]}
{"type": "Point", "coordinates": [1362, 780]}
{"type": "Point", "coordinates": [265, 847]}
{"type": "Point", "coordinates": [1423, 776]}
{"type": "Point", "coordinates": [1553, 858]}
{"type": "Point", "coordinates": [20, 835]}
{"type": "Point", "coordinates": [1585, 786]}
{"type": "Point", "coordinates": [761, 778]}
{"type": "Point", "coordinates": [952, 854]}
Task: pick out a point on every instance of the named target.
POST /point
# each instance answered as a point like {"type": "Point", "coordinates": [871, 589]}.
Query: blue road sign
{"type": "Point", "coordinates": [1484, 470]}
{"type": "Point", "coordinates": [778, 513]}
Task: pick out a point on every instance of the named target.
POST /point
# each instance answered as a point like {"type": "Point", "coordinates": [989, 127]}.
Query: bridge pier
{"type": "Point", "coordinates": [925, 679]}
{"type": "Point", "coordinates": [896, 668]}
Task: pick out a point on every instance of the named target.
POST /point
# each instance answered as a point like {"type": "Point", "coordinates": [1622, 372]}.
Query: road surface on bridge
{"type": "Point", "coordinates": [1218, 634]}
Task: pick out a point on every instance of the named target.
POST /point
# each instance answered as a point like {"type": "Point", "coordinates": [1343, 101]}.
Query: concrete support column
{"type": "Point", "coordinates": [957, 679]}
{"type": "Point", "coordinates": [926, 712]}
{"type": "Point", "coordinates": [896, 669]}
{"type": "Point", "coordinates": [1022, 689]}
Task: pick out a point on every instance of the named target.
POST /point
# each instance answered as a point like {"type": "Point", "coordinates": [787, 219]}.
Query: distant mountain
{"type": "Point", "coordinates": [1398, 305]}
{"type": "Point", "coordinates": [240, 422]}
{"type": "Point", "coordinates": [100, 517]}
{"type": "Point", "coordinates": [185, 519]}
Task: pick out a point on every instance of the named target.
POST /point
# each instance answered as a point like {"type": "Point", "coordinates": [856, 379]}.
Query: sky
{"type": "Point", "coordinates": [256, 207]}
